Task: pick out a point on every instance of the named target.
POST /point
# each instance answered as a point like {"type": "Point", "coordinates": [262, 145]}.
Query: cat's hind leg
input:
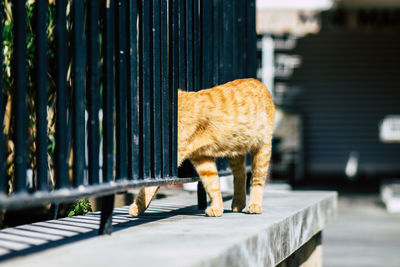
{"type": "Point", "coordinates": [207, 170]}
{"type": "Point", "coordinates": [260, 164]}
{"type": "Point", "coordinates": [239, 182]}
{"type": "Point", "coordinates": [142, 201]}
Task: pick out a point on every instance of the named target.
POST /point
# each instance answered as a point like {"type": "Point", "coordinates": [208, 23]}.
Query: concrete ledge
{"type": "Point", "coordinates": [174, 233]}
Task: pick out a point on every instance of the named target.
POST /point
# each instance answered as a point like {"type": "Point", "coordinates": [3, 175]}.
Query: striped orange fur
{"type": "Point", "coordinates": [228, 120]}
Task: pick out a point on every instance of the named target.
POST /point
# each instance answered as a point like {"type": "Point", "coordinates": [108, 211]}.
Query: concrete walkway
{"type": "Point", "coordinates": [364, 234]}
{"type": "Point", "coordinates": [174, 233]}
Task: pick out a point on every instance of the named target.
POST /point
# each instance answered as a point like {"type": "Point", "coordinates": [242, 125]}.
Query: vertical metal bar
{"type": "Point", "coordinates": [121, 86]}
{"type": "Point", "coordinates": [108, 91]}
{"type": "Point", "coordinates": [156, 91]}
{"type": "Point", "coordinates": [225, 49]}
{"type": "Point", "coordinates": [107, 205]}
{"type": "Point", "coordinates": [201, 196]}
{"type": "Point", "coordinates": [216, 42]}
{"type": "Point", "coordinates": [182, 56]}
{"type": "Point", "coordinates": [61, 169]}
{"type": "Point", "coordinates": [2, 111]}
{"type": "Point", "coordinates": [174, 79]}
{"type": "Point", "coordinates": [93, 92]}
{"type": "Point", "coordinates": [182, 44]}
{"type": "Point", "coordinates": [196, 46]}
{"type": "Point", "coordinates": [166, 145]}
{"type": "Point", "coordinates": [234, 29]}
{"type": "Point", "coordinates": [133, 116]}
{"type": "Point", "coordinates": [107, 202]}
{"type": "Point", "coordinates": [242, 38]}
{"type": "Point", "coordinates": [220, 42]}
{"type": "Point", "coordinates": [227, 41]}
{"type": "Point", "coordinates": [204, 63]}
{"type": "Point", "coordinates": [20, 108]}
{"type": "Point", "coordinates": [206, 44]}
{"type": "Point", "coordinates": [189, 44]}
{"type": "Point", "coordinates": [145, 87]}
{"type": "Point", "coordinates": [40, 18]}
{"type": "Point", "coordinates": [231, 29]}
{"type": "Point", "coordinates": [252, 39]}
{"type": "Point", "coordinates": [78, 84]}
{"type": "Point", "coordinates": [53, 211]}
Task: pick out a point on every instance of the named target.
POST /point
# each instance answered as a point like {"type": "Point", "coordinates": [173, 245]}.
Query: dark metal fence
{"type": "Point", "coordinates": [118, 63]}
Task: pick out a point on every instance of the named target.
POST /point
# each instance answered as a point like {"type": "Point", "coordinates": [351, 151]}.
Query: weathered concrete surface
{"type": "Point", "coordinates": [174, 233]}
{"type": "Point", "coordinates": [364, 234]}
{"type": "Point", "coordinates": [308, 255]}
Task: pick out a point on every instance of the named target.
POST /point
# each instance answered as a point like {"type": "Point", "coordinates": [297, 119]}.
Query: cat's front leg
{"type": "Point", "coordinates": [142, 201]}
{"type": "Point", "coordinates": [207, 170]}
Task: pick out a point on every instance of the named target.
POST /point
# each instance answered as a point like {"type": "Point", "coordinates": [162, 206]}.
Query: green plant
{"type": "Point", "coordinates": [80, 207]}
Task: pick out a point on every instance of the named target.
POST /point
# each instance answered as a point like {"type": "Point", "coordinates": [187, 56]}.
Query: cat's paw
{"type": "Point", "coordinates": [134, 210]}
{"type": "Point", "coordinates": [214, 212]}
{"type": "Point", "coordinates": [238, 206]}
{"type": "Point", "coordinates": [254, 209]}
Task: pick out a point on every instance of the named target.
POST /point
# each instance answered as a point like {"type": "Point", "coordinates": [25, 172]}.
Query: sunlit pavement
{"type": "Point", "coordinates": [364, 234]}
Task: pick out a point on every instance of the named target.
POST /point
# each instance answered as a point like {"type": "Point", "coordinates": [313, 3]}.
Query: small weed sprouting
{"type": "Point", "coordinates": [80, 207]}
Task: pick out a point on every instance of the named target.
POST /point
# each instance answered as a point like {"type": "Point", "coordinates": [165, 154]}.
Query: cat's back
{"type": "Point", "coordinates": [238, 98]}
{"type": "Point", "coordinates": [232, 118]}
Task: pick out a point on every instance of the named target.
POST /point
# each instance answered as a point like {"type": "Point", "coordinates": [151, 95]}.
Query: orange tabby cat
{"type": "Point", "coordinates": [228, 120]}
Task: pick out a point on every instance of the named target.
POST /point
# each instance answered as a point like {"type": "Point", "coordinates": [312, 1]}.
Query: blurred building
{"type": "Point", "coordinates": [332, 67]}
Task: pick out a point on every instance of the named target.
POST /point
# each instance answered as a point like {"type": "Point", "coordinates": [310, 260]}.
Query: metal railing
{"type": "Point", "coordinates": [120, 63]}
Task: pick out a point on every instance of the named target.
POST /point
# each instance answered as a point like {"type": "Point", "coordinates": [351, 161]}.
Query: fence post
{"type": "Point", "coordinates": [93, 91]}
{"type": "Point", "coordinates": [41, 93]}
{"type": "Point", "coordinates": [165, 94]}
{"type": "Point", "coordinates": [78, 102]}
{"type": "Point", "coordinates": [121, 87]}
{"type": "Point", "coordinates": [251, 39]}
{"type": "Point", "coordinates": [174, 83]}
{"type": "Point", "coordinates": [108, 91]}
{"type": "Point", "coordinates": [201, 196]}
{"type": "Point", "coordinates": [107, 205]}
{"type": "Point", "coordinates": [61, 176]}
{"type": "Point", "coordinates": [145, 87]}
{"type": "Point", "coordinates": [20, 106]}
{"type": "Point", "coordinates": [133, 115]}
{"type": "Point", "coordinates": [155, 102]}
